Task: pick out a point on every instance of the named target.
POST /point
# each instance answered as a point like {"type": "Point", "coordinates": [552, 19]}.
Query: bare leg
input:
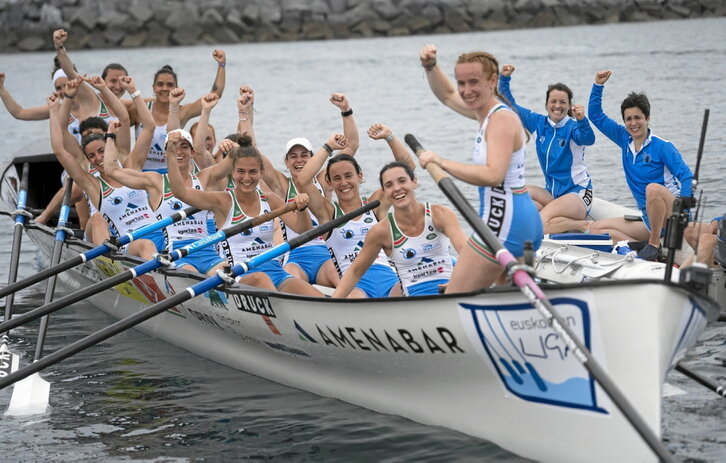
{"type": "Point", "coordinates": [327, 275]}
{"type": "Point", "coordinates": [473, 271]}
{"type": "Point", "coordinates": [540, 196]}
{"type": "Point", "coordinates": [142, 248]}
{"type": "Point", "coordinates": [97, 229]}
{"type": "Point", "coordinates": [658, 203]}
{"type": "Point", "coordinates": [295, 270]}
{"type": "Point", "coordinates": [565, 213]}
{"type": "Point", "coordinates": [297, 286]}
{"type": "Point", "coordinates": [620, 229]}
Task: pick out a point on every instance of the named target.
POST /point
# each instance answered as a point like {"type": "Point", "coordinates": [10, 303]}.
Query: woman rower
{"type": "Point", "coordinates": [498, 169]}
{"type": "Point", "coordinates": [123, 209]}
{"type": "Point", "coordinates": [415, 237]}
{"type": "Point", "coordinates": [344, 176]}
{"type": "Point", "coordinates": [246, 200]}
{"type": "Point", "coordinates": [165, 80]}
{"type": "Point", "coordinates": [562, 135]}
{"type": "Point", "coordinates": [311, 261]}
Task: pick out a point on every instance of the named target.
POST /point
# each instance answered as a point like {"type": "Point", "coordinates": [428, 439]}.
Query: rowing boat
{"type": "Point", "coordinates": [483, 363]}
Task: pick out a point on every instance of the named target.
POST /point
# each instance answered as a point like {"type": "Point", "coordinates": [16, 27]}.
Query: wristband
{"type": "Point", "coordinates": [390, 138]}
{"type": "Point", "coordinates": [347, 113]}
{"type": "Point", "coordinates": [60, 48]}
{"type": "Point", "coordinates": [107, 135]}
{"type": "Point", "coordinates": [327, 148]}
{"type": "Point", "coordinates": [70, 97]}
{"type": "Point", "coordinates": [136, 94]}
{"type": "Point", "coordinates": [429, 67]}
{"type": "Point", "coordinates": [222, 64]}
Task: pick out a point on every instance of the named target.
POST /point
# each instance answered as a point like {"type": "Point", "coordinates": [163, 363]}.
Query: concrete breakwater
{"type": "Point", "coordinates": [27, 25]}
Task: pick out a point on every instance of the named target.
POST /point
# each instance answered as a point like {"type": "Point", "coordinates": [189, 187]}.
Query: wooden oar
{"type": "Point", "coordinates": [8, 359]}
{"type": "Point", "coordinates": [143, 268]}
{"type": "Point", "coordinates": [538, 300]}
{"type": "Point", "coordinates": [97, 251]}
{"type": "Point", "coordinates": [30, 396]}
{"type": "Point", "coordinates": [180, 297]}
{"type": "Point", "coordinates": [699, 378]}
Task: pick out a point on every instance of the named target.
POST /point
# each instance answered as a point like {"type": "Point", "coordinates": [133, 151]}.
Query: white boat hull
{"type": "Point", "coordinates": [485, 364]}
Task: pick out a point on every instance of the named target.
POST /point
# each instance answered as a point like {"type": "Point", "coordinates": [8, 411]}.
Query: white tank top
{"type": "Point", "coordinates": [155, 160]}
{"type": "Point", "coordinates": [250, 243]}
{"type": "Point", "coordinates": [289, 233]}
{"type": "Point", "coordinates": [421, 258]}
{"type": "Point", "coordinates": [514, 179]}
{"type": "Point", "coordinates": [191, 228]}
{"type": "Point", "coordinates": [125, 209]}
{"type": "Point", "coordinates": [346, 241]}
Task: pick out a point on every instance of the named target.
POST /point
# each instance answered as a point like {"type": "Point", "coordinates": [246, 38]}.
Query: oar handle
{"type": "Point", "coordinates": [435, 170]}
{"type": "Point", "coordinates": [24, 177]}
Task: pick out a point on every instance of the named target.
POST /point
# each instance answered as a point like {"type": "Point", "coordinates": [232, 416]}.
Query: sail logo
{"type": "Point", "coordinates": [529, 357]}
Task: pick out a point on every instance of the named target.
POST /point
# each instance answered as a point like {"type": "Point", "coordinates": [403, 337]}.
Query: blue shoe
{"type": "Point", "coordinates": [649, 252]}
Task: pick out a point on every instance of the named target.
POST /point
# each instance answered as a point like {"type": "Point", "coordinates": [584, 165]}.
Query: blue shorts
{"type": "Point", "coordinates": [309, 259]}
{"type": "Point", "coordinates": [426, 288]}
{"type": "Point", "coordinates": [159, 171]}
{"type": "Point", "coordinates": [203, 259]}
{"type": "Point", "coordinates": [514, 221]}
{"type": "Point", "coordinates": [274, 270]}
{"type": "Point", "coordinates": [378, 281]}
{"type": "Point", "coordinates": [157, 237]}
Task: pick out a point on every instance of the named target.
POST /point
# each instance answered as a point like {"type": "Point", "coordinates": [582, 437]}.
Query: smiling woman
{"type": "Point", "coordinates": [654, 169]}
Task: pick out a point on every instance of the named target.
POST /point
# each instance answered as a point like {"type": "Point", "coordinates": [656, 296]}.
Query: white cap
{"type": "Point", "coordinates": [304, 142]}
{"type": "Point", "coordinates": [185, 135]}
{"type": "Point", "coordinates": [58, 74]}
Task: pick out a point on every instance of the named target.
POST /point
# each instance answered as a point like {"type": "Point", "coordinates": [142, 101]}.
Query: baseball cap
{"type": "Point", "coordinates": [185, 135]}
{"type": "Point", "coordinates": [304, 142]}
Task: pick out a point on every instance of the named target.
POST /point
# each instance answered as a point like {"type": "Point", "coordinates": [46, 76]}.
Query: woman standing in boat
{"type": "Point", "coordinates": [246, 200]}
{"type": "Point", "coordinates": [344, 176]}
{"type": "Point", "coordinates": [311, 261]}
{"type": "Point", "coordinates": [654, 169]}
{"type": "Point", "coordinates": [165, 80]}
{"type": "Point", "coordinates": [498, 169]}
{"type": "Point", "coordinates": [562, 135]}
{"type": "Point", "coordinates": [415, 237]}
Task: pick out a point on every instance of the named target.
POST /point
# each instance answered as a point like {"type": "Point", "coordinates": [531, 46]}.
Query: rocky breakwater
{"type": "Point", "coordinates": [27, 25]}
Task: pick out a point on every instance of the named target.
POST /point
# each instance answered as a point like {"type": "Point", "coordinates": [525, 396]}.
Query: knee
{"type": "Point", "coordinates": [655, 191]}
{"type": "Point", "coordinates": [595, 227]}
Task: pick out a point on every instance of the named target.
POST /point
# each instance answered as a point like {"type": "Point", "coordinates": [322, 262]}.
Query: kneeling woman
{"type": "Point", "coordinates": [232, 207]}
{"type": "Point", "coordinates": [415, 236]}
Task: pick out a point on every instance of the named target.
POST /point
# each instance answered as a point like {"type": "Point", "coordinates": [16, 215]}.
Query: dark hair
{"type": "Point", "coordinates": [392, 165]}
{"type": "Point", "coordinates": [166, 69]}
{"type": "Point", "coordinates": [246, 149]}
{"type": "Point", "coordinates": [562, 88]}
{"type": "Point", "coordinates": [57, 65]}
{"type": "Point", "coordinates": [636, 100]}
{"type": "Point", "coordinates": [339, 158]}
{"type": "Point", "coordinates": [92, 123]}
{"type": "Point", "coordinates": [113, 67]}
{"type": "Point", "coordinates": [235, 137]}
{"type": "Point", "coordinates": [90, 138]}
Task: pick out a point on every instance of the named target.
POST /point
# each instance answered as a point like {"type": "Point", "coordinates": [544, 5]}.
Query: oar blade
{"type": "Point", "coordinates": [8, 361]}
{"type": "Point", "coordinates": [30, 396]}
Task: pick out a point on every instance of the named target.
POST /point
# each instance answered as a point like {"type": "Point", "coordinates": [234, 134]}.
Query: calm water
{"type": "Point", "coordinates": [134, 398]}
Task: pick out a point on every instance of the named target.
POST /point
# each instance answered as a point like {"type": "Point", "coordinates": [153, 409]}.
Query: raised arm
{"type": "Point", "coordinates": [319, 205]}
{"type": "Point", "coordinates": [123, 139]}
{"type": "Point", "coordinates": [350, 129]}
{"type": "Point", "coordinates": [201, 156]}
{"type": "Point", "coordinates": [132, 178]}
{"type": "Point", "coordinates": [400, 153]}
{"type": "Point", "coordinates": [246, 112]}
{"type": "Point", "coordinates": [440, 83]}
{"type": "Point", "coordinates": [529, 118]}
{"type": "Point", "coordinates": [86, 95]}
{"type": "Point", "coordinates": [85, 180]}
{"type": "Point", "coordinates": [18, 112]}
{"type": "Point", "coordinates": [214, 177]}
{"type": "Point", "coordinates": [195, 108]}
{"type": "Point", "coordinates": [374, 242]}
{"type": "Point", "coordinates": [216, 201]}
{"type": "Point", "coordinates": [137, 157]}
{"type": "Point", "coordinates": [583, 134]}
{"type": "Point", "coordinates": [614, 131]}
